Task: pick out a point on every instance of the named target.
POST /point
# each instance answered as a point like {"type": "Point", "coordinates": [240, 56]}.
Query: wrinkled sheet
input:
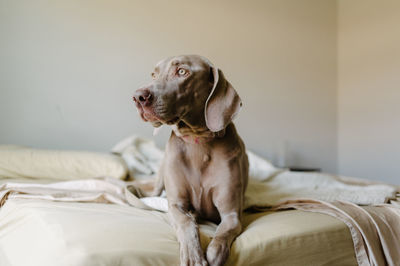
{"type": "Point", "coordinates": [375, 230]}
{"type": "Point", "coordinates": [38, 232]}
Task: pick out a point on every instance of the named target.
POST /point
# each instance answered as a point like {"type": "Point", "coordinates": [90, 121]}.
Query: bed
{"type": "Point", "coordinates": [41, 231]}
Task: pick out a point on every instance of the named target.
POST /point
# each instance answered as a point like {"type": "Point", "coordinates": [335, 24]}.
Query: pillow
{"type": "Point", "coordinates": [260, 168]}
{"type": "Point", "coordinates": [24, 162]}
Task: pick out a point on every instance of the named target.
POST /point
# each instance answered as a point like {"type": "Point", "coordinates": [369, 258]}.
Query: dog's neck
{"type": "Point", "coordinates": [195, 134]}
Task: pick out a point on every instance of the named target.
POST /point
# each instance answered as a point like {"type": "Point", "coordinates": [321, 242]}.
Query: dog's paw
{"type": "Point", "coordinates": [217, 252]}
{"type": "Point", "coordinates": [192, 257]}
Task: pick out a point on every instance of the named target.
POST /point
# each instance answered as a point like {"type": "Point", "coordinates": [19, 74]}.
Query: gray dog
{"type": "Point", "coordinates": [205, 168]}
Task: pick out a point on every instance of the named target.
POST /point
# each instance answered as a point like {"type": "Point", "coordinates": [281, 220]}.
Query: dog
{"type": "Point", "coordinates": [205, 168]}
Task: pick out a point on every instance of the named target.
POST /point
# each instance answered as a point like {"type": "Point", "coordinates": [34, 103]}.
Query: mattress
{"type": "Point", "coordinates": [38, 232]}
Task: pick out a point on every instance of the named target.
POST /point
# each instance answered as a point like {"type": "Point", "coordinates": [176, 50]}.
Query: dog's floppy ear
{"type": "Point", "coordinates": [223, 103]}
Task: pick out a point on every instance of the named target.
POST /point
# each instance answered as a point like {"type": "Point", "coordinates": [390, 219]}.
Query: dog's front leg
{"type": "Point", "coordinates": [187, 232]}
{"type": "Point", "coordinates": [227, 230]}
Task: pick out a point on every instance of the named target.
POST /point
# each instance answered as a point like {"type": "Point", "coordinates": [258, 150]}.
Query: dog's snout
{"type": "Point", "coordinates": [143, 96]}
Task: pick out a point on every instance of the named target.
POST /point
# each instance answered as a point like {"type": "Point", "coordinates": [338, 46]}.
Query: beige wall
{"type": "Point", "coordinates": [68, 70]}
{"type": "Point", "coordinates": [369, 89]}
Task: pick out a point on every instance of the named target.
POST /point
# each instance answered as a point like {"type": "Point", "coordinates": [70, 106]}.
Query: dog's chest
{"type": "Point", "coordinates": [197, 163]}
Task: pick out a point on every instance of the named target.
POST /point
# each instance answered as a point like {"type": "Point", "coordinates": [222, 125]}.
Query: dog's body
{"type": "Point", "coordinates": [205, 169]}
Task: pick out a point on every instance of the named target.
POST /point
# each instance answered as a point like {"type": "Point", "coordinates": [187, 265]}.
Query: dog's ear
{"type": "Point", "coordinates": [223, 103]}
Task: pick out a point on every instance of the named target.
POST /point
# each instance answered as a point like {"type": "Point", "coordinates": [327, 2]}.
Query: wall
{"type": "Point", "coordinates": [369, 89]}
{"type": "Point", "coordinates": [68, 70]}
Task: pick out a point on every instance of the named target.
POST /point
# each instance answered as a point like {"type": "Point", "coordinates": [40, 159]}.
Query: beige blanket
{"type": "Point", "coordinates": [47, 233]}
{"type": "Point", "coordinates": [375, 229]}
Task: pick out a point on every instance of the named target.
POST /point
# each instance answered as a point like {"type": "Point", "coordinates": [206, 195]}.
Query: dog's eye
{"type": "Point", "coordinates": [153, 75]}
{"type": "Point", "coordinates": [182, 72]}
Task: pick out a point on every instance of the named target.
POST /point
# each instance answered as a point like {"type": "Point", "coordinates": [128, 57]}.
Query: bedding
{"type": "Point", "coordinates": [375, 229]}
{"type": "Point", "coordinates": [24, 162]}
{"type": "Point", "coordinates": [57, 221]}
{"type": "Point", "coordinates": [46, 233]}
{"type": "Point", "coordinates": [378, 225]}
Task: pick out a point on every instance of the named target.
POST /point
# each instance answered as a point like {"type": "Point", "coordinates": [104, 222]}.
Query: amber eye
{"type": "Point", "coordinates": [182, 72]}
{"type": "Point", "coordinates": [153, 75]}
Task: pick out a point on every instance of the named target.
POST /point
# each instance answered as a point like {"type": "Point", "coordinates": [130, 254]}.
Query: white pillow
{"type": "Point", "coordinates": [24, 162]}
{"type": "Point", "coordinates": [259, 168]}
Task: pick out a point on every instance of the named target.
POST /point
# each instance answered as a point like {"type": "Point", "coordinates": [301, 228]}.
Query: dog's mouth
{"type": "Point", "coordinates": [149, 115]}
{"type": "Point", "coordinates": [146, 115]}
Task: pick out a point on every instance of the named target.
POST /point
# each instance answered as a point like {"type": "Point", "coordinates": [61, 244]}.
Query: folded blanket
{"type": "Point", "coordinates": [375, 229]}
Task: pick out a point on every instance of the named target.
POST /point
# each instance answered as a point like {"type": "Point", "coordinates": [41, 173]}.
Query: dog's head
{"type": "Point", "coordinates": [190, 89]}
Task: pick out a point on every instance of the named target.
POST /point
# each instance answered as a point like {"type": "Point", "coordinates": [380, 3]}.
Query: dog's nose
{"type": "Point", "coordinates": [143, 96]}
